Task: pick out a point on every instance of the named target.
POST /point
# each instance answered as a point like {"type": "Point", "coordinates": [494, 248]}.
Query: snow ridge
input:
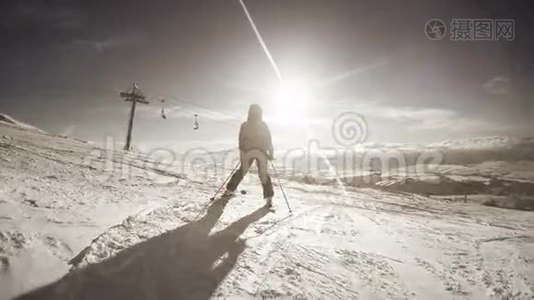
{"type": "Point", "coordinates": [8, 120]}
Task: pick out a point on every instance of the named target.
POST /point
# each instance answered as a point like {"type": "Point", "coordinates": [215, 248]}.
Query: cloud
{"type": "Point", "coordinates": [112, 42]}
{"type": "Point", "coordinates": [427, 118]}
{"type": "Point", "coordinates": [457, 123]}
{"type": "Point", "coordinates": [356, 71]}
{"type": "Point", "coordinates": [499, 85]}
{"type": "Point", "coordinates": [415, 114]}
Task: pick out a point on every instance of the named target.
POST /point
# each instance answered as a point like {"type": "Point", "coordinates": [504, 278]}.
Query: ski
{"type": "Point", "coordinates": [243, 192]}
{"type": "Point", "coordinates": [212, 199]}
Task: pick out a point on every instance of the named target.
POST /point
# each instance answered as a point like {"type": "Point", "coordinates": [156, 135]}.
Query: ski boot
{"type": "Point", "coordinates": [268, 202]}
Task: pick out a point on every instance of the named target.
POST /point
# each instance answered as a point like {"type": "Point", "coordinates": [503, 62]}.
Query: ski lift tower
{"type": "Point", "coordinates": [134, 95]}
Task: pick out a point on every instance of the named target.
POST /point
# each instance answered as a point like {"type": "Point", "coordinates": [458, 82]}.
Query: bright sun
{"type": "Point", "coordinates": [292, 102]}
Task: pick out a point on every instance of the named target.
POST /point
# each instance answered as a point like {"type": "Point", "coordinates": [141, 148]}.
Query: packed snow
{"type": "Point", "coordinates": [81, 222]}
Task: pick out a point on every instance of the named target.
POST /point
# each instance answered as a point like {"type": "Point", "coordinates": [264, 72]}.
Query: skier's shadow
{"type": "Point", "coordinates": [185, 263]}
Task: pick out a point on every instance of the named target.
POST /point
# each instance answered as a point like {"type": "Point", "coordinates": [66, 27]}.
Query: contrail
{"type": "Point", "coordinates": [262, 43]}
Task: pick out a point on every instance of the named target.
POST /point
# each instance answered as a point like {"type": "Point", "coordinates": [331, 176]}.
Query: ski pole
{"type": "Point", "coordinates": [225, 181]}
{"type": "Point", "coordinates": [281, 187]}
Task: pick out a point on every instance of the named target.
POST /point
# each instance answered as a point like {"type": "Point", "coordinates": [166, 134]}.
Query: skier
{"type": "Point", "coordinates": [254, 145]}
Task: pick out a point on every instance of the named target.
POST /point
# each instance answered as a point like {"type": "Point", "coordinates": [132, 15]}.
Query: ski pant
{"type": "Point", "coordinates": [262, 162]}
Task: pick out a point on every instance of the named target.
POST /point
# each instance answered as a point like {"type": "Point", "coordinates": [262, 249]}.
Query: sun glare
{"type": "Point", "coordinates": [292, 102]}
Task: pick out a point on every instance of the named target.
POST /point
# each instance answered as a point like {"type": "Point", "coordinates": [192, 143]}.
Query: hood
{"type": "Point", "coordinates": [255, 113]}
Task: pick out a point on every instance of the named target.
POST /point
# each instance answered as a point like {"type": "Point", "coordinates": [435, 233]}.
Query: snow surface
{"type": "Point", "coordinates": [73, 227]}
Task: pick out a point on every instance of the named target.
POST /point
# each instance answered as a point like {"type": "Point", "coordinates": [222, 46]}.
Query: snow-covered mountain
{"type": "Point", "coordinates": [80, 222]}
{"type": "Point", "coordinates": [10, 121]}
{"type": "Point", "coordinates": [489, 142]}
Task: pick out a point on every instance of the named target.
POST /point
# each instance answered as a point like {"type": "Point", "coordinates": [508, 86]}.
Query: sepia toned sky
{"type": "Point", "coordinates": [64, 62]}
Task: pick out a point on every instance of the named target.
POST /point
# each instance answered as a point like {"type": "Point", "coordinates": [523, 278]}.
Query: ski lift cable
{"type": "Point", "coordinates": [178, 100]}
{"type": "Point", "coordinates": [230, 119]}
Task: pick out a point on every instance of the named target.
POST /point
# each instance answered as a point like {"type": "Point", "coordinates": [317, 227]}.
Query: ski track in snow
{"type": "Point", "coordinates": [58, 209]}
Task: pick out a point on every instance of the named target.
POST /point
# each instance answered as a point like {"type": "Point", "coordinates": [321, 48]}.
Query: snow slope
{"type": "Point", "coordinates": [151, 233]}
{"type": "Point", "coordinates": [10, 121]}
{"type": "Point", "coordinates": [55, 196]}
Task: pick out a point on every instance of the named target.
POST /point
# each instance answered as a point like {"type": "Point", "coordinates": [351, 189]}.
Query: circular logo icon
{"type": "Point", "coordinates": [435, 29]}
{"type": "Point", "coordinates": [349, 129]}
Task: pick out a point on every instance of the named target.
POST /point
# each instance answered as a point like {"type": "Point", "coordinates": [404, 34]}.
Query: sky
{"type": "Point", "coordinates": [64, 63]}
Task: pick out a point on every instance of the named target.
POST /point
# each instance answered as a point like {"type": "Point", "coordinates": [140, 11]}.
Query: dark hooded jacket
{"type": "Point", "coordinates": [254, 133]}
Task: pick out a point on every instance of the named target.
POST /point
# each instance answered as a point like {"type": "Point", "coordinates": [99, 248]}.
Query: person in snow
{"type": "Point", "coordinates": [255, 145]}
